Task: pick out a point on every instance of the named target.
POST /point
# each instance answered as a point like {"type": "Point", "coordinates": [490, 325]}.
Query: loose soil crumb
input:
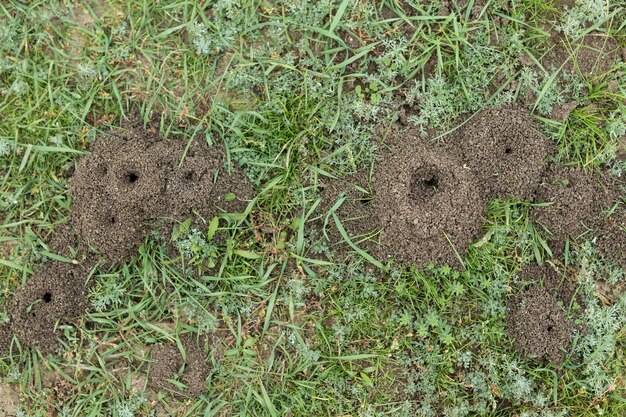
{"type": "Point", "coordinates": [56, 294]}
{"type": "Point", "coordinates": [133, 177]}
{"type": "Point", "coordinates": [578, 200]}
{"type": "Point", "coordinates": [538, 326]}
{"type": "Point", "coordinates": [429, 207]}
{"type": "Point", "coordinates": [506, 151]}
{"type": "Point", "coordinates": [168, 364]}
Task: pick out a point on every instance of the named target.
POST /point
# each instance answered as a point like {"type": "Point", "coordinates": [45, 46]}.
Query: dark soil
{"type": "Point", "coordinates": [505, 150]}
{"type": "Point", "coordinates": [5, 338]}
{"type": "Point", "coordinates": [611, 240]}
{"type": "Point", "coordinates": [134, 177]}
{"type": "Point", "coordinates": [560, 286]}
{"type": "Point", "coordinates": [427, 204]}
{"type": "Point", "coordinates": [56, 294]}
{"type": "Point", "coordinates": [168, 363]}
{"type": "Point", "coordinates": [538, 326]}
{"type": "Point", "coordinates": [578, 201]}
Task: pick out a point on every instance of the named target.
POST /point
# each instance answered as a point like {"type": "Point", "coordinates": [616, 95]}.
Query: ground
{"type": "Point", "coordinates": [333, 207]}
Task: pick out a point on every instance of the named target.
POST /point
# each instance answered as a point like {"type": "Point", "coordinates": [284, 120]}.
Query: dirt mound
{"type": "Point", "coordinates": [538, 326]}
{"type": "Point", "coordinates": [578, 200]}
{"type": "Point", "coordinates": [504, 148]}
{"type": "Point", "coordinates": [56, 294]}
{"type": "Point", "coordinates": [611, 240]}
{"type": "Point", "coordinates": [428, 205]}
{"type": "Point", "coordinates": [133, 177]}
{"type": "Point", "coordinates": [190, 369]}
{"type": "Point", "coordinates": [558, 285]}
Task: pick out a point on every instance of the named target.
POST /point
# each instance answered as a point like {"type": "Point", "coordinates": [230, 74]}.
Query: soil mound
{"type": "Point", "coordinates": [134, 177]}
{"type": "Point", "coordinates": [504, 148]}
{"type": "Point", "coordinates": [538, 326]}
{"type": "Point", "coordinates": [56, 294]}
{"type": "Point", "coordinates": [168, 363]}
{"type": "Point", "coordinates": [429, 207]}
{"type": "Point", "coordinates": [559, 286]}
{"type": "Point", "coordinates": [611, 240]}
{"type": "Point", "coordinates": [578, 200]}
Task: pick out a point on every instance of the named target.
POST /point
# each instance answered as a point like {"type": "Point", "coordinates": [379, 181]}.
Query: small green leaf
{"type": "Point", "coordinates": [229, 197]}
{"type": "Point", "coordinates": [215, 223]}
{"type": "Point", "coordinates": [368, 381]}
{"type": "Point", "coordinates": [246, 254]}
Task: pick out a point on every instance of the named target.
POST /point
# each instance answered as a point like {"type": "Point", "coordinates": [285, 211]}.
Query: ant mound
{"type": "Point", "coordinates": [428, 206]}
{"type": "Point", "coordinates": [203, 184]}
{"type": "Point", "coordinates": [538, 326]}
{"type": "Point", "coordinates": [611, 240]}
{"type": "Point", "coordinates": [56, 294]}
{"type": "Point", "coordinates": [504, 148]}
{"type": "Point", "coordinates": [168, 363]}
{"type": "Point", "coordinates": [557, 285]}
{"type": "Point", "coordinates": [577, 202]}
{"type": "Point", "coordinates": [133, 177]}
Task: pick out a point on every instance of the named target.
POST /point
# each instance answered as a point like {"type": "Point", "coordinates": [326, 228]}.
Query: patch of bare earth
{"type": "Point", "coordinates": [423, 207]}
{"type": "Point", "coordinates": [538, 326]}
{"type": "Point", "coordinates": [187, 367]}
{"type": "Point", "coordinates": [576, 201]}
{"type": "Point", "coordinates": [9, 400]}
{"type": "Point", "coordinates": [506, 151]}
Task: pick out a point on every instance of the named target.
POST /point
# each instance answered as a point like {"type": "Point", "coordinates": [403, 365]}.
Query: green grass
{"type": "Point", "coordinates": [294, 331]}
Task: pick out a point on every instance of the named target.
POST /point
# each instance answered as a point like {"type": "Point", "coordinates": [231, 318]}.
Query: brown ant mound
{"type": "Point", "coordinates": [429, 207]}
{"type": "Point", "coordinates": [611, 240]}
{"type": "Point", "coordinates": [504, 148]}
{"type": "Point", "coordinates": [203, 184]}
{"type": "Point", "coordinates": [555, 283]}
{"type": "Point", "coordinates": [113, 228]}
{"type": "Point", "coordinates": [168, 363]}
{"type": "Point", "coordinates": [577, 201]}
{"type": "Point", "coordinates": [538, 326]}
{"type": "Point", "coordinates": [134, 177]}
{"type": "Point", "coordinates": [55, 295]}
